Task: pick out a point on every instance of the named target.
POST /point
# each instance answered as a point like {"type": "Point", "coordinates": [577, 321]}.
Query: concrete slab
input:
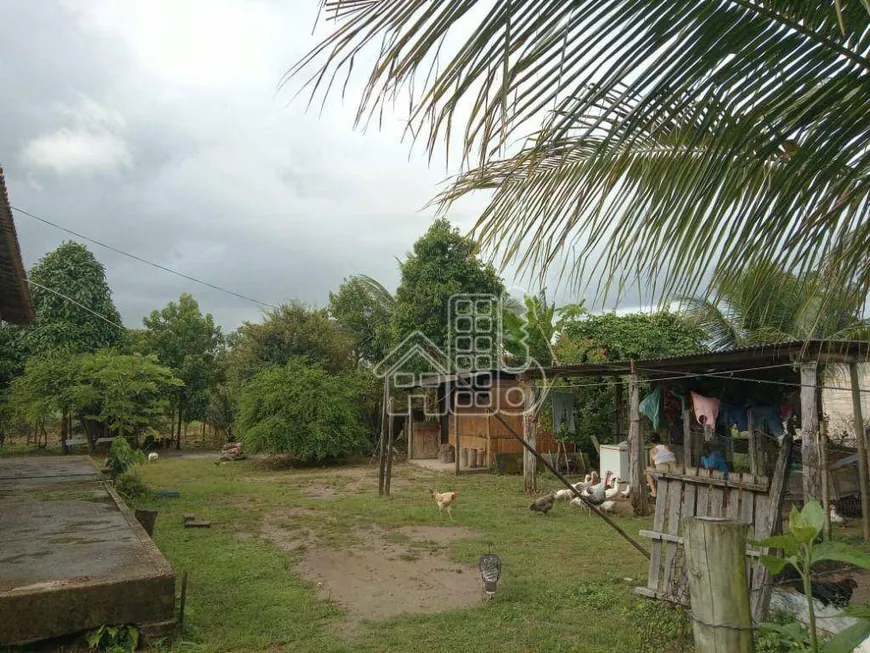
{"type": "Point", "coordinates": [72, 556]}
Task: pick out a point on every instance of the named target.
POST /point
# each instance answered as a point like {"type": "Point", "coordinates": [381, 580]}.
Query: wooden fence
{"type": "Point", "coordinates": [693, 492]}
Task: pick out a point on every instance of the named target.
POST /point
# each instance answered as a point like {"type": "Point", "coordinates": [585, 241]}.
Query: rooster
{"type": "Point", "coordinates": [490, 571]}
{"type": "Point", "coordinates": [543, 504]}
{"type": "Point", "coordinates": [444, 500]}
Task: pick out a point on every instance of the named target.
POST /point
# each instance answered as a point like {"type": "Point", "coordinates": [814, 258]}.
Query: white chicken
{"type": "Point", "coordinates": [152, 456]}
{"type": "Point", "coordinates": [836, 518]}
{"type": "Point", "coordinates": [612, 493]}
{"type": "Point", "coordinates": [564, 495]}
{"type": "Point", "coordinates": [595, 494]}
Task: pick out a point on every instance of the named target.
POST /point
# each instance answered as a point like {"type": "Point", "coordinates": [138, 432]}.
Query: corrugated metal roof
{"type": "Point", "coordinates": [16, 304]}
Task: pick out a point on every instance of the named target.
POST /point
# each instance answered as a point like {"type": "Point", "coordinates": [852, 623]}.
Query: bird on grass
{"type": "Point", "coordinates": [444, 501]}
{"type": "Point", "coordinates": [543, 504]}
{"type": "Point", "coordinates": [490, 572]}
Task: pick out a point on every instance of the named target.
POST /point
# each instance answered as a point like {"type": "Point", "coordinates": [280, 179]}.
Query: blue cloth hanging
{"type": "Point", "coordinates": [733, 415]}
{"type": "Point", "coordinates": [563, 412]}
{"type": "Point", "coordinates": [651, 406]}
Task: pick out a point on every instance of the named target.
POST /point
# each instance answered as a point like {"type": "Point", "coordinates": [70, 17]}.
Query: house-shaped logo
{"type": "Point", "coordinates": [414, 362]}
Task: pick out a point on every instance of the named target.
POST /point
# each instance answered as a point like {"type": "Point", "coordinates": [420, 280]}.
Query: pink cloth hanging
{"type": "Point", "coordinates": [706, 409]}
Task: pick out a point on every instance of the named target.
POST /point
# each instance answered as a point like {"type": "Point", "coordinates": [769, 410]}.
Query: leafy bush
{"type": "Point", "coordinates": [113, 639]}
{"type": "Point", "coordinates": [121, 457]}
{"type": "Point", "coordinates": [303, 411]}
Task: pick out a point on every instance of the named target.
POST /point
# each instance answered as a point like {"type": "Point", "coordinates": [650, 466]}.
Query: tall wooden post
{"type": "Point", "coordinates": [716, 564]}
{"type": "Point", "coordinates": [688, 442]}
{"type": "Point", "coordinates": [409, 429]}
{"type": "Point", "coordinates": [388, 472]}
{"type": "Point", "coordinates": [456, 431]}
{"type": "Point", "coordinates": [858, 424]}
{"type": "Point", "coordinates": [530, 463]}
{"type": "Point", "coordinates": [812, 471]}
{"type": "Point", "coordinates": [754, 450]}
{"type": "Point", "coordinates": [826, 486]}
{"type": "Point", "coordinates": [636, 459]}
{"type": "Point", "coordinates": [382, 451]}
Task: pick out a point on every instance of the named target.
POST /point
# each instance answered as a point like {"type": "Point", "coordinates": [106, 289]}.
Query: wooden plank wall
{"type": "Point", "coordinates": [475, 429]}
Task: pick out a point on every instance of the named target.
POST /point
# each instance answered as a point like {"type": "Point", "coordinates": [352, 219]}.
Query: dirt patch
{"type": "Point", "coordinates": [439, 534]}
{"type": "Point", "coordinates": [281, 531]}
{"type": "Point", "coordinates": [383, 574]}
{"type": "Point", "coordinates": [381, 579]}
{"type": "Point", "coordinates": [318, 491]}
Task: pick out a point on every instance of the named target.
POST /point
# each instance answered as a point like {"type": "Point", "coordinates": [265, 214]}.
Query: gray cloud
{"type": "Point", "coordinates": [156, 128]}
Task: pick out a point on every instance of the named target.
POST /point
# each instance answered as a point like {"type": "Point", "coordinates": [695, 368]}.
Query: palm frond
{"type": "Point", "coordinates": [376, 291]}
{"type": "Point", "coordinates": [678, 140]}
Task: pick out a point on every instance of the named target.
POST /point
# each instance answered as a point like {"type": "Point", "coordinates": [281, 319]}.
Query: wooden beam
{"type": "Point", "coordinates": [636, 462]}
{"type": "Point", "coordinates": [753, 444]}
{"type": "Point", "coordinates": [858, 425]}
{"type": "Point", "coordinates": [811, 460]}
{"type": "Point", "coordinates": [456, 431]}
{"type": "Point", "coordinates": [530, 468]}
{"type": "Point", "coordinates": [826, 488]}
{"type": "Point", "coordinates": [688, 442]}
{"type": "Point", "coordinates": [409, 429]}
{"type": "Point", "coordinates": [388, 472]}
{"type": "Point", "coordinates": [767, 523]}
{"type": "Point", "coordinates": [382, 461]}
{"type": "Point", "coordinates": [619, 411]}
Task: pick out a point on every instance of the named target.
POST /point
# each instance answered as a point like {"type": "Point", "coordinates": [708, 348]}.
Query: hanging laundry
{"type": "Point", "coordinates": [651, 406]}
{"type": "Point", "coordinates": [563, 412]}
{"type": "Point", "coordinates": [715, 461]}
{"type": "Point", "coordinates": [674, 405]}
{"type": "Point", "coordinates": [733, 415]}
{"type": "Point", "coordinates": [768, 418]}
{"type": "Point", "coordinates": [706, 409]}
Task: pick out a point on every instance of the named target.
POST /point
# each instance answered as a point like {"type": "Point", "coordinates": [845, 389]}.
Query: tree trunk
{"type": "Point", "coordinates": [180, 418]}
{"type": "Point", "coordinates": [64, 430]}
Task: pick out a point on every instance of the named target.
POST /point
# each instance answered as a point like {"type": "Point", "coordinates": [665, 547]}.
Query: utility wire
{"type": "Point", "coordinates": [77, 303]}
{"type": "Point", "coordinates": [140, 259]}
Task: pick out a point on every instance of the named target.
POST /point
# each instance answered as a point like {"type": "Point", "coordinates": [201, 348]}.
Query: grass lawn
{"type": "Point", "coordinates": [563, 579]}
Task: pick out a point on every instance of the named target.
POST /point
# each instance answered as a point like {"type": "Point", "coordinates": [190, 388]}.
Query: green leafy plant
{"type": "Point", "coordinates": [121, 457]}
{"type": "Point", "coordinates": [113, 639]}
{"type": "Point", "coordinates": [801, 551]}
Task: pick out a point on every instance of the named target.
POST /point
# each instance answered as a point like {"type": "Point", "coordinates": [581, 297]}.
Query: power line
{"type": "Point", "coordinates": [140, 259]}
{"type": "Point", "coordinates": [77, 303]}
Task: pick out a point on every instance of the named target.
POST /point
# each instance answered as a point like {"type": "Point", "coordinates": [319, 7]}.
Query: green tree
{"type": "Point", "coordinates": [669, 140]}
{"type": "Point", "coordinates": [443, 263]}
{"type": "Point", "coordinates": [74, 322]}
{"type": "Point", "coordinates": [364, 308]}
{"type": "Point", "coordinates": [188, 343]}
{"type": "Point", "coordinates": [290, 331]}
{"type": "Point", "coordinates": [108, 392]}
{"type": "Point", "coordinates": [760, 305]}
{"type": "Point", "coordinates": [587, 338]}
{"type": "Point", "coordinates": [302, 410]}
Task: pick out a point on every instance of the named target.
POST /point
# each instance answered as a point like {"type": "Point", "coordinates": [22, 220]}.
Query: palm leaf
{"type": "Point", "coordinates": [675, 140]}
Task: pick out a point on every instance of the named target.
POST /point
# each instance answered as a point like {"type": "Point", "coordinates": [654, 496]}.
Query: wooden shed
{"type": "Point", "coordinates": [481, 416]}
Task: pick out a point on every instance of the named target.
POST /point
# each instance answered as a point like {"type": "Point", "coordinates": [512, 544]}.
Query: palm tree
{"type": "Point", "coordinates": [671, 140]}
{"type": "Point", "coordinates": [763, 304]}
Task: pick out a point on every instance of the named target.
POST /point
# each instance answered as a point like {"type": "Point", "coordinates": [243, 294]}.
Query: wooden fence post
{"type": "Point", "coordinates": [382, 459]}
{"type": "Point", "coordinates": [858, 423]}
{"type": "Point", "coordinates": [688, 442]}
{"type": "Point", "coordinates": [456, 432]}
{"type": "Point", "coordinates": [530, 463]}
{"type": "Point", "coordinates": [636, 458]}
{"type": "Point", "coordinates": [812, 472]}
{"type": "Point", "coordinates": [388, 470]}
{"type": "Point", "coordinates": [715, 559]}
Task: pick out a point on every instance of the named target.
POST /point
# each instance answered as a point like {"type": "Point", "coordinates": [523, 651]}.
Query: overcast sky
{"type": "Point", "coordinates": [155, 127]}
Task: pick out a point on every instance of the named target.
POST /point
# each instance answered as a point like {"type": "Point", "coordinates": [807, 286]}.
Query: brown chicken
{"type": "Point", "coordinates": [444, 500]}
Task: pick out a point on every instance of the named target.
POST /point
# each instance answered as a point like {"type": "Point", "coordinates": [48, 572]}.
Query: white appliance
{"type": "Point", "coordinates": [613, 458]}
